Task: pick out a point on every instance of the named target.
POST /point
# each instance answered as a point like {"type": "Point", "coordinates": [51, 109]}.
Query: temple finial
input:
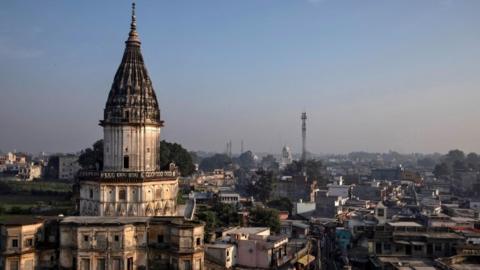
{"type": "Point", "coordinates": [133, 25]}
{"type": "Point", "coordinates": [133, 35]}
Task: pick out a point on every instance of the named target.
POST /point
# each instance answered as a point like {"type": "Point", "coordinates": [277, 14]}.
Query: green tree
{"type": "Point", "coordinates": [441, 169]}
{"type": "Point", "coordinates": [426, 162]}
{"type": "Point", "coordinates": [92, 158]}
{"type": "Point", "coordinates": [454, 155]}
{"type": "Point", "coordinates": [281, 204]}
{"type": "Point", "coordinates": [261, 188]}
{"type": "Point", "coordinates": [174, 152]}
{"type": "Point", "coordinates": [211, 222]}
{"type": "Point", "coordinates": [217, 161]}
{"type": "Point", "coordinates": [312, 167]}
{"type": "Point", "coordinates": [246, 160]}
{"type": "Point", "coordinates": [270, 163]}
{"type": "Point", "coordinates": [265, 217]}
{"type": "Point", "coordinates": [459, 166]}
{"type": "Point", "coordinates": [473, 161]}
{"type": "Point", "coordinates": [226, 213]}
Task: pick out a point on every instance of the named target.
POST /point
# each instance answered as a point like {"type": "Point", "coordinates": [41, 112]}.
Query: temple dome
{"type": "Point", "coordinates": [132, 99]}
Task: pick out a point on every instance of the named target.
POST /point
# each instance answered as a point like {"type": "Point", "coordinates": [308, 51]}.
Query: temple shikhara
{"type": "Point", "coordinates": [130, 183]}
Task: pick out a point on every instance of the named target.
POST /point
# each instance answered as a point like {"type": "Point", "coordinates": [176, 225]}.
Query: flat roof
{"type": "Point", "coordinates": [20, 220]}
{"type": "Point", "coordinates": [248, 230]}
{"type": "Point", "coordinates": [218, 245]}
{"type": "Point", "coordinates": [404, 224]}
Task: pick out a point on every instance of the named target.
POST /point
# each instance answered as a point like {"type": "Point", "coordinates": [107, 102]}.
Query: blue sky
{"type": "Point", "coordinates": [372, 75]}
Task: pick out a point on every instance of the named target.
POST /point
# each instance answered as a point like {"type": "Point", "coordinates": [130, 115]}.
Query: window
{"type": "Point", "coordinates": [438, 247]}
{"type": "Point", "coordinates": [122, 194]}
{"type": "Point", "coordinates": [160, 238]}
{"type": "Point", "coordinates": [127, 115]}
{"type": "Point", "coordinates": [14, 243]}
{"type": "Point", "coordinates": [378, 248]}
{"type": "Point", "coordinates": [380, 212]}
{"type": "Point", "coordinates": [85, 238]}
{"type": "Point", "coordinates": [126, 162]}
{"type": "Point", "coordinates": [14, 264]}
{"type": "Point", "coordinates": [101, 264]}
{"type": "Point", "coordinates": [91, 193]}
{"type": "Point", "coordinates": [116, 238]}
{"type": "Point", "coordinates": [29, 242]}
{"type": "Point", "coordinates": [116, 264]}
{"type": "Point", "coordinates": [130, 263]}
{"type": "Point", "coordinates": [417, 248]}
{"type": "Point", "coordinates": [158, 193]}
{"type": "Point", "coordinates": [85, 264]}
{"type": "Point", "coordinates": [199, 241]}
{"type": "Point", "coordinates": [187, 265]}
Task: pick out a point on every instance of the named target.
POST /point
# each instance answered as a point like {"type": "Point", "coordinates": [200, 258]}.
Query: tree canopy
{"type": "Point", "coordinates": [262, 187]}
{"type": "Point", "coordinates": [246, 160]}
{"type": "Point", "coordinates": [174, 152]}
{"type": "Point", "coordinates": [281, 204]}
{"type": "Point", "coordinates": [92, 158]}
{"type": "Point", "coordinates": [313, 168]}
{"type": "Point", "coordinates": [217, 161]}
{"type": "Point", "coordinates": [265, 217]}
{"type": "Point", "coordinates": [270, 163]}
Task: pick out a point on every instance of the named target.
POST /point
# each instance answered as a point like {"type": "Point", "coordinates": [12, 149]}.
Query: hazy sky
{"type": "Point", "coordinates": [372, 75]}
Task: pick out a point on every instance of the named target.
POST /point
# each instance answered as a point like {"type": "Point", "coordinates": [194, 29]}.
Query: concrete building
{"type": "Point", "coordinates": [68, 167]}
{"type": "Point", "coordinates": [256, 248]}
{"type": "Point", "coordinates": [229, 197]}
{"type": "Point", "coordinates": [28, 243]}
{"type": "Point", "coordinates": [224, 255]}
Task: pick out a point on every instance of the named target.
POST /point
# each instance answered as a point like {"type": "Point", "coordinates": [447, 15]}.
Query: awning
{"type": "Point", "coordinates": [416, 243]}
{"type": "Point", "coordinates": [402, 242]}
{"type": "Point", "coordinates": [306, 260]}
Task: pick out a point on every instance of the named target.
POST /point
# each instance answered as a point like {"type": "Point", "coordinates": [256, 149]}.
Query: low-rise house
{"type": "Point", "coordinates": [224, 255]}
{"type": "Point", "coordinates": [296, 229]}
{"type": "Point", "coordinates": [28, 243]}
{"type": "Point", "coordinates": [229, 197]}
{"type": "Point", "coordinates": [68, 167]}
{"type": "Point", "coordinates": [256, 247]}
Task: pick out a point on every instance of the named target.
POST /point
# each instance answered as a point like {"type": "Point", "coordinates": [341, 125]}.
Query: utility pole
{"type": "Point", "coordinates": [304, 136]}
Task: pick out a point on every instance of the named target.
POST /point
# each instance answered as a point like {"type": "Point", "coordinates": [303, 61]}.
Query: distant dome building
{"type": "Point", "coordinates": [286, 157]}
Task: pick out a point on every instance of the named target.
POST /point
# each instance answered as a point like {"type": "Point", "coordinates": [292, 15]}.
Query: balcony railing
{"type": "Point", "coordinates": [89, 175]}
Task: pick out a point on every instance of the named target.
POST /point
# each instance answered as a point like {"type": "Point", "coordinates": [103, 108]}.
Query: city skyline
{"type": "Point", "coordinates": [410, 87]}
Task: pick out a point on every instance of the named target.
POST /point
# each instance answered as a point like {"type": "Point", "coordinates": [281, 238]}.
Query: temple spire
{"type": "Point", "coordinates": [133, 35]}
